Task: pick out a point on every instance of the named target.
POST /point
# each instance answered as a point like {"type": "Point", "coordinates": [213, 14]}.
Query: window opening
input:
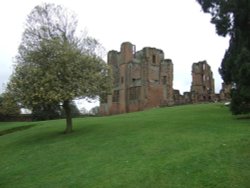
{"type": "Point", "coordinates": [115, 96]}
{"type": "Point", "coordinates": [154, 59]}
{"type": "Point", "coordinates": [164, 80]}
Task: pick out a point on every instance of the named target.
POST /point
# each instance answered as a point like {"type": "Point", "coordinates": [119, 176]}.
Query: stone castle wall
{"type": "Point", "coordinates": [202, 88]}
{"type": "Point", "coordinates": [144, 79]}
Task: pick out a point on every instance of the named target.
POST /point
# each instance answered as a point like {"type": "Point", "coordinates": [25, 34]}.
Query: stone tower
{"type": "Point", "coordinates": [225, 92]}
{"type": "Point", "coordinates": [141, 80]}
{"type": "Point", "coordinates": [202, 88]}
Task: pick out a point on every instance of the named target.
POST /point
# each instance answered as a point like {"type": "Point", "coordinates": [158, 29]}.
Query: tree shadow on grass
{"type": "Point", "coordinates": [244, 116]}
{"type": "Point", "coordinates": [15, 129]}
{"type": "Point", "coordinates": [50, 136]}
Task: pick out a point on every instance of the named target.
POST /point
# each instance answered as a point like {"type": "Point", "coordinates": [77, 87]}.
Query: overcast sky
{"type": "Point", "coordinates": [178, 27]}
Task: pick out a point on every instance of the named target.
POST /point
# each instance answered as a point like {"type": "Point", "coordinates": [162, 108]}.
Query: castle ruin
{"type": "Point", "coordinates": [202, 88]}
{"type": "Point", "coordinates": [144, 79]}
{"type": "Point", "coordinates": [225, 92]}
{"type": "Point", "coordinates": [141, 80]}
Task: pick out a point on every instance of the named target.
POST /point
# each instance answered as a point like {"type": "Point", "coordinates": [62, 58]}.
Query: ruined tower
{"type": "Point", "coordinates": [225, 92]}
{"type": "Point", "coordinates": [202, 88]}
{"type": "Point", "coordinates": [141, 79]}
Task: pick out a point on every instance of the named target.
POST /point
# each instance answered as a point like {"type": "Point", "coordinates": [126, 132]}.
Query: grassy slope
{"type": "Point", "coordinates": [183, 146]}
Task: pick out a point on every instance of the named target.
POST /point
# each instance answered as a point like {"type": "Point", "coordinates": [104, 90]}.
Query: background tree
{"type": "Point", "coordinates": [75, 112]}
{"type": "Point", "coordinates": [52, 111]}
{"type": "Point", "coordinates": [84, 111]}
{"type": "Point", "coordinates": [94, 110]}
{"type": "Point", "coordinates": [47, 111]}
{"type": "Point", "coordinates": [54, 65]}
{"type": "Point", "coordinates": [232, 17]}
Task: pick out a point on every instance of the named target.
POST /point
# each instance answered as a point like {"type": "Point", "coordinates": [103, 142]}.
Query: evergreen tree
{"type": "Point", "coordinates": [232, 17]}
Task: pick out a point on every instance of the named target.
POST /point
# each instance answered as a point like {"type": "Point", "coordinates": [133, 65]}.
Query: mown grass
{"type": "Point", "coordinates": [183, 146]}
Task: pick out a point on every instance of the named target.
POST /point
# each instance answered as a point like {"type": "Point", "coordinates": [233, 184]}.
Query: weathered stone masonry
{"type": "Point", "coordinates": [144, 79]}
{"type": "Point", "coordinates": [202, 88]}
{"type": "Point", "coordinates": [141, 80]}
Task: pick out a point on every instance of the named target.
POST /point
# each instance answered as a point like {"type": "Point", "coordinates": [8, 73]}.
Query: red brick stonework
{"type": "Point", "coordinates": [141, 80]}
{"type": "Point", "coordinates": [202, 88]}
{"type": "Point", "coordinates": [144, 79]}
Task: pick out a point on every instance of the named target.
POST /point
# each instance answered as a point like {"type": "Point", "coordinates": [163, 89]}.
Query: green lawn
{"type": "Point", "coordinates": [191, 146]}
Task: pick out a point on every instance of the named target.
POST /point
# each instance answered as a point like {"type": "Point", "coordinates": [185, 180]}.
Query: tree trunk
{"type": "Point", "coordinates": [66, 107]}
